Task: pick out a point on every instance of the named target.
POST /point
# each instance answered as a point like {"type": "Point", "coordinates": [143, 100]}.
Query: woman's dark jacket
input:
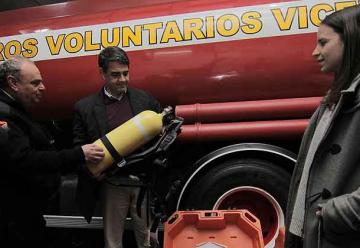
{"type": "Point", "coordinates": [334, 180]}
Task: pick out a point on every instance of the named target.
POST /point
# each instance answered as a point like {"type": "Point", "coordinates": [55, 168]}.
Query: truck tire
{"type": "Point", "coordinates": [253, 184]}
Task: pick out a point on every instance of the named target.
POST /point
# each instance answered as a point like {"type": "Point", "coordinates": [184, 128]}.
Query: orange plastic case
{"type": "Point", "coordinates": [213, 229]}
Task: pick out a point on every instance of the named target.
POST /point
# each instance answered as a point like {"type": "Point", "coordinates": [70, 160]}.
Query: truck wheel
{"type": "Point", "coordinates": [253, 184]}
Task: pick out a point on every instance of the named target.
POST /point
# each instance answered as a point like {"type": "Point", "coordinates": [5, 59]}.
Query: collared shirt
{"type": "Point", "coordinates": [109, 95]}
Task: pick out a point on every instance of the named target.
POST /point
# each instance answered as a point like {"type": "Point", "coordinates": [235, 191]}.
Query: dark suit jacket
{"type": "Point", "coordinates": [30, 165]}
{"type": "Point", "coordinates": [90, 124]}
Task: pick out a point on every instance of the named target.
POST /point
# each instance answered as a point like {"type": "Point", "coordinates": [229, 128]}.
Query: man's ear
{"type": "Point", "coordinates": [13, 83]}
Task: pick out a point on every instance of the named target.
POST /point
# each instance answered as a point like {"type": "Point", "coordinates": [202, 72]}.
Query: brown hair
{"type": "Point", "coordinates": [346, 23]}
{"type": "Point", "coordinates": [111, 54]}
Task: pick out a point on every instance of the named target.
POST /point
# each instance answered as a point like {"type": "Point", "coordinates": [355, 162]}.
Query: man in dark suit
{"type": "Point", "coordinates": [30, 166]}
{"type": "Point", "coordinates": [95, 116]}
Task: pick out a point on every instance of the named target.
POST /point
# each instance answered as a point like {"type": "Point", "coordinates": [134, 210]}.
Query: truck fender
{"type": "Point", "coordinates": [271, 152]}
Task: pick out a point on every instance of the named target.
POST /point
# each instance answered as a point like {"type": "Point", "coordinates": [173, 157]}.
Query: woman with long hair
{"type": "Point", "coordinates": [324, 199]}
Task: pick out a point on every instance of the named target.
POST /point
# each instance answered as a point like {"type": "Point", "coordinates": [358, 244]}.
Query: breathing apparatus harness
{"type": "Point", "coordinates": [156, 155]}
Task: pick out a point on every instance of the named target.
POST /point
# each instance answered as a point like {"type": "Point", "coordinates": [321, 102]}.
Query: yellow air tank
{"type": "Point", "coordinates": [128, 137]}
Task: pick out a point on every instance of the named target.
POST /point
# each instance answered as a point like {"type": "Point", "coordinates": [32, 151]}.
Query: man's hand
{"type": "Point", "coordinates": [93, 153]}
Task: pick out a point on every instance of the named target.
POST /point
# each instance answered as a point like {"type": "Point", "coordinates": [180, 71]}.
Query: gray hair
{"type": "Point", "coordinates": [11, 67]}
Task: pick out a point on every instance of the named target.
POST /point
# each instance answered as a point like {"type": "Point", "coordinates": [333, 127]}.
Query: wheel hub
{"type": "Point", "coordinates": [258, 202]}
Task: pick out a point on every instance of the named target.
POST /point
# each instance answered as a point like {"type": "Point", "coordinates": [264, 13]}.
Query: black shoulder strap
{"type": "Point", "coordinates": [116, 156]}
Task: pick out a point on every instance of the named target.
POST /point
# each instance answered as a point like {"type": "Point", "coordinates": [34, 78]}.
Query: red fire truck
{"type": "Point", "coordinates": [239, 72]}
